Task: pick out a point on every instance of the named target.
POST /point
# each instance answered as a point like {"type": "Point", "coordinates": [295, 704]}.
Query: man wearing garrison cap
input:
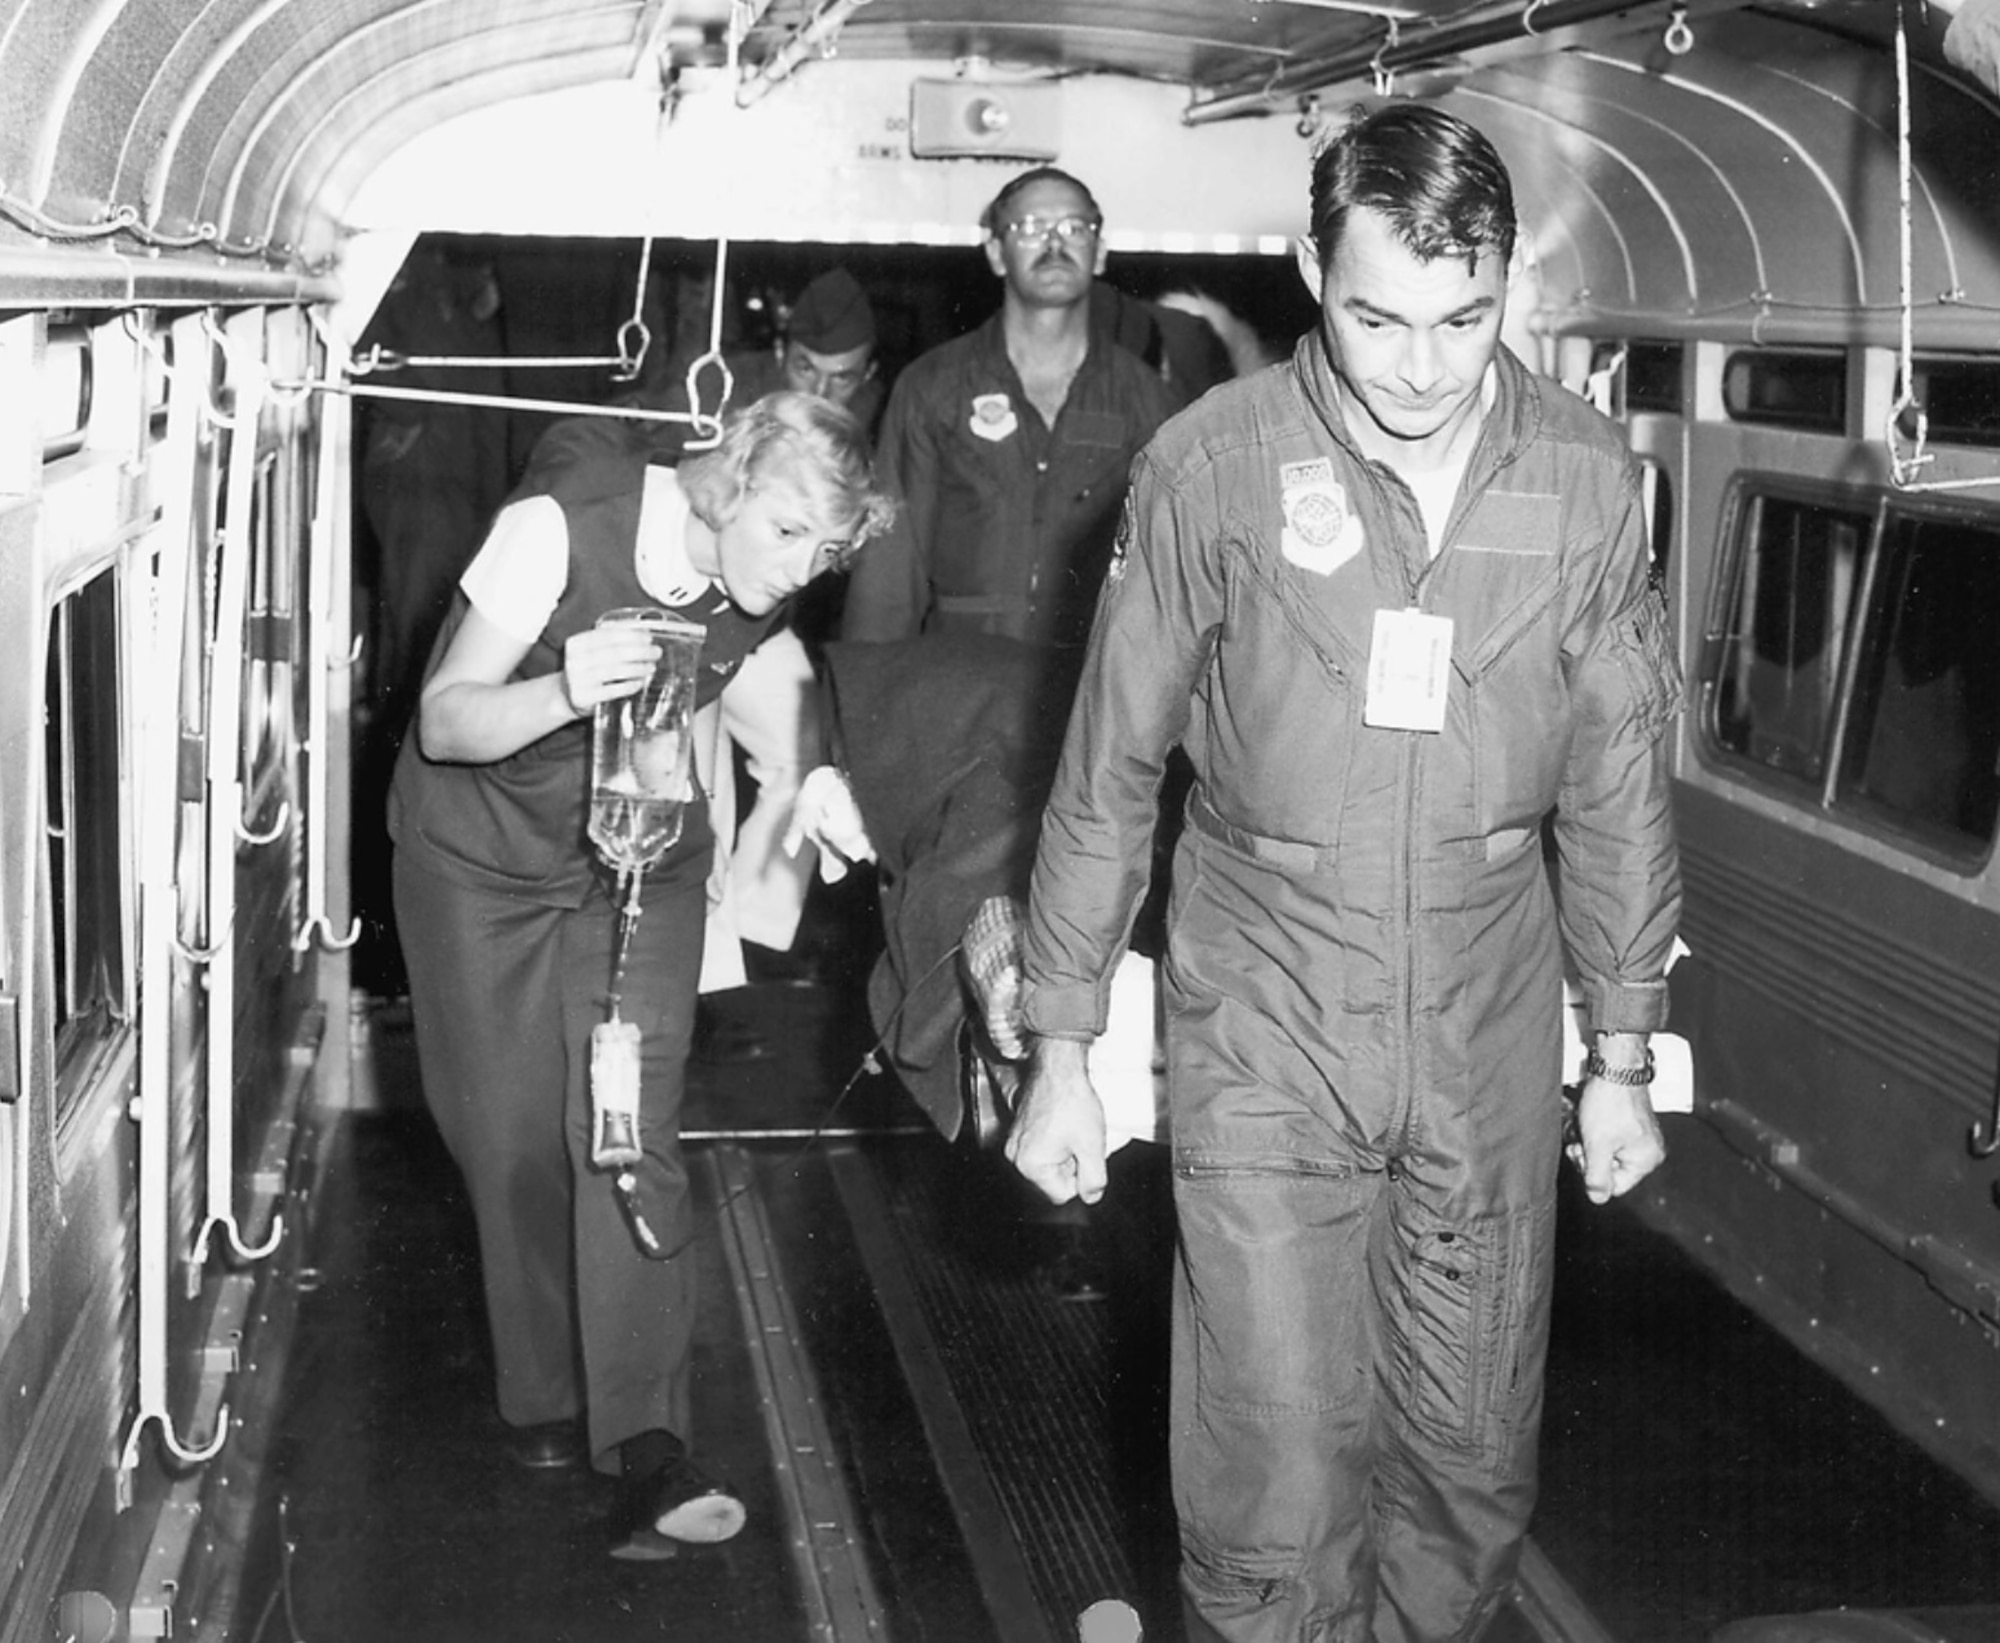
{"type": "Point", "coordinates": [829, 345]}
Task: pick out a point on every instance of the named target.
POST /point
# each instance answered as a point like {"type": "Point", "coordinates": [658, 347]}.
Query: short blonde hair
{"type": "Point", "coordinates": [800, 438]}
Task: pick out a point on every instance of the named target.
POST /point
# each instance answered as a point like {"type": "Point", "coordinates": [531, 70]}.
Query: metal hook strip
{"type": "Point", "coordinates": [241, 1250]}
{"type": "Point", "coordinates": [320, 928]}
{"type": "Point", "coordinates": [244, 832]}
{"type": "Point", "coordinates": [183, 1453]}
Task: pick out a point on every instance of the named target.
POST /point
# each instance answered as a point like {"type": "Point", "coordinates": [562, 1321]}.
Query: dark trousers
{"type": "Point", "coordinates": [504, 993]}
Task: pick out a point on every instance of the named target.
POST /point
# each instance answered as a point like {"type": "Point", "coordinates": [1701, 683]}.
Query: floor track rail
{"type": "Point", "coordinates": [836, 1588]}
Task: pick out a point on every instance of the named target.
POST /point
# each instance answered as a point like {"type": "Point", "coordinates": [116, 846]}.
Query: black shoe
{"type": "Point", "coordinates": [676, 1503]}
{"type": "Point", "coordinates": [548, 1446]}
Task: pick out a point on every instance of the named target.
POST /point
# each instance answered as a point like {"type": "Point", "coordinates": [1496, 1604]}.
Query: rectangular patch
{"type": "Point", "coordinates": [1317, 471]}
{"type": "Point", "coordinates": [1512, 522]}
{"type": "Point", "coordinates": [1098, 430]}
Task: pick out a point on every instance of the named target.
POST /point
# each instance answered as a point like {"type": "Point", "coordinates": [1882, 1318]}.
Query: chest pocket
{"type": "Point", "coordinates": [1502, 590]}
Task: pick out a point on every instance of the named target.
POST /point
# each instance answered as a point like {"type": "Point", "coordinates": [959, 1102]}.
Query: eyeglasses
{"type": "Point", "coordinates": [1047, 228]}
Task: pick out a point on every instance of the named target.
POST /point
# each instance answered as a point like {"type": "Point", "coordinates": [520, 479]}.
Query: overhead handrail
{"type": "Point", "coordinates": [634, 338]}
{"type": "Point", "coordinates": [162, 639]}
{"type": "Point", "coordinates": [706, 423]}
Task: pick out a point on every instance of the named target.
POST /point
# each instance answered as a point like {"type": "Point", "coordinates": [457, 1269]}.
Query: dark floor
{"type": "Point", "coordinates": [1697, 1471]}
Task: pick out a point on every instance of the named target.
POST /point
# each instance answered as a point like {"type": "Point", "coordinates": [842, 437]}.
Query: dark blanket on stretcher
{"type": "Point", "coordinates": [949, 743]}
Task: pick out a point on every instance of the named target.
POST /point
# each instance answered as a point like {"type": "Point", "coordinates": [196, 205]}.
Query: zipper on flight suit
{"type": "Point", "coordinates": [1402, 1128]}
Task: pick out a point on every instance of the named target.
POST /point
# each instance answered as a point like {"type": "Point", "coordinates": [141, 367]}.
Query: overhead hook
{"type": "Point", "coordinates": [633, 337]}
{"type": "Point", "coordinates": [633, 341]}
{"type": "Point", "coordinates": [707, 425]}
{"type": "Point", "coordinates": [1384, 76]}
{"type": "Point", "coordinates": [1679, 37]}
{"type": "Point", "coordinates": [1903, 470]}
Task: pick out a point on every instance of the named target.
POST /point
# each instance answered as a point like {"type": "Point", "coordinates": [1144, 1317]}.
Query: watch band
{"type": "Point", "coordinates": [1595, 1066]}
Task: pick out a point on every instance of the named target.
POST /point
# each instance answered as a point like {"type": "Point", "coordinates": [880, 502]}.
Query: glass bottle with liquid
{"type": "Point", "coordinates": [641, 768]}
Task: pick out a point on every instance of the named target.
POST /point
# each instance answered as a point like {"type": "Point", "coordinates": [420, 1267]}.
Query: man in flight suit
{"type": "Point", "coordinates": [1393, 597]}
{"type": "Point", "coordinates": [1009, 445]}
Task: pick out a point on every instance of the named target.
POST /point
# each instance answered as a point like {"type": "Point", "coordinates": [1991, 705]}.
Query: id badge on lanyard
{"type": "Point", "coordinates": [1409, 670]}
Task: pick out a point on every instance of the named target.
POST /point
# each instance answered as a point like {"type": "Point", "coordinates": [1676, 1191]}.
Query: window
{"type": "Point", "coordinates": [1653, 377]}
{"type": "Point", "coordinates": [86, 800]}
{"type": "Point", "coordinates": [1786, 630]}
{"type": "Point", "coordinates": [1960, 400]}
{"type": "Point", "coordinates": [65, 384]}
{"type": "Point", "coordinates": [1923, 746]}
{"type": "Point", "coordinates": [1805, 391]}
{"type": "Point", "coordinates": [1852, 661]}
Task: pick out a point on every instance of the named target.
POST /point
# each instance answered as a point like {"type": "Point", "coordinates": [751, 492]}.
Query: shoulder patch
{"type": "Point", "coordinates": [1121, 544]}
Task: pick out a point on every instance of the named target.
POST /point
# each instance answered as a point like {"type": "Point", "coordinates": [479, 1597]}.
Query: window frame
{"type": "Point", "coordinates": [85, 1036]}
{"type": "Point", "coordinates": [1831, 791]}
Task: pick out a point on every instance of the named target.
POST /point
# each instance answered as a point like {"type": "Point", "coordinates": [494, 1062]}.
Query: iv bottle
{"type": "Point", "coordinates": [640, 750]}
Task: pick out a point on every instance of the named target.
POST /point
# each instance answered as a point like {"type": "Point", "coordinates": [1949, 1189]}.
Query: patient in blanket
{"type": "Point", "coordinates": [944, 749]}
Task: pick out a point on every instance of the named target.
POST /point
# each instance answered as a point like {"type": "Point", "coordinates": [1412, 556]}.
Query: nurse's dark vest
{"type": "Point", "coordinates": [518, 825]}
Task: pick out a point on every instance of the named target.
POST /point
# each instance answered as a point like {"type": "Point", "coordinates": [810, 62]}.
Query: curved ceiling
{"type": "Point", "coordinates": [1755, 174]}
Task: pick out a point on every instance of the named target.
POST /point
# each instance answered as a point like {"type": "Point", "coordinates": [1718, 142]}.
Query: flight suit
{"type": "Point", "coordinates": [1005, 524]}
{"type": "Point", "coordinates": [1364, 967]}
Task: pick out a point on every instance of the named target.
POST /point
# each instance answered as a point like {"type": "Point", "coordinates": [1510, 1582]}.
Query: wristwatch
{"type": "Point", "coordinates": [1595, 1066]}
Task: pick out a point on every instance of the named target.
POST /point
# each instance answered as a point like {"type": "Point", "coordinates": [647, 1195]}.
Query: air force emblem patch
{"type": "Point", "coordinates": [993, 417]}
{"type": "Point", "coordinates": [1322, 531]}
